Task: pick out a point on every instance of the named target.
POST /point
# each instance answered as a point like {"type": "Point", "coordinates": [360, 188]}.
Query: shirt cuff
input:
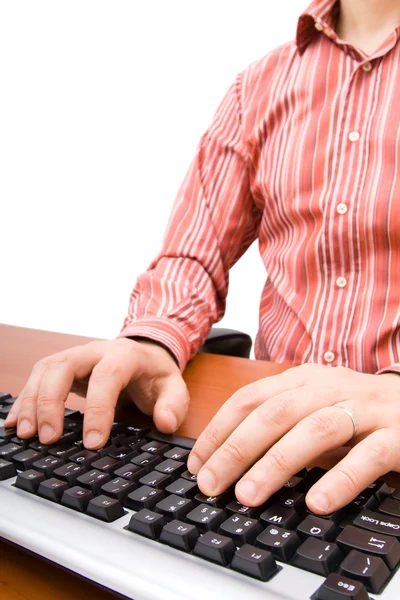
{"type": "Point", "coordinates": [163, 331]}
{"type": "Point", "coordinates": [390, 369]}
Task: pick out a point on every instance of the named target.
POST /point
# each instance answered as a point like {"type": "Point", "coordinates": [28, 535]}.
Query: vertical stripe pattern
{"type": "Point", "coordinates": [304, 154]}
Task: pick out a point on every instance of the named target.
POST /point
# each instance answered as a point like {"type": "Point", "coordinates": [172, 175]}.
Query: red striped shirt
{"type": "Point", "coordinates": [303, 154]}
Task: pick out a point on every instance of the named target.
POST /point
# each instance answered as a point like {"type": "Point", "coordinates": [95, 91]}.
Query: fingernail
{"type": "Point", "coordinates": [247, 489]}
{"type": "Point", "coordinates": [319, 501]}
{"type": "Point", "coordinates": [24, 427]}
{"type": "Point", "coordinates": [172, 419]}
{"type": "Point", "coordinates": [194, 464]}
{"type": "Point", "coordinates": [206, 482]}
{"type": "Point", "coordinates": [46, 433]}
{"type": "Point", "coordinates": [93, 438]}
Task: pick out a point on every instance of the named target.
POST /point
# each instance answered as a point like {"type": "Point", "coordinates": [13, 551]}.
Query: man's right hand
{"type": "Point", "coordinates": [103, 369]}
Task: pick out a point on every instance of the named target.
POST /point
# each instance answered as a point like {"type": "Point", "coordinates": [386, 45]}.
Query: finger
{"type": "Point", "coordinates": [374, 456]}
{"type": "Point", "coordinates": [258, 433]}
{"type": "Point", "coordinates": [57, 379]}
{"type": "Point", "coordinates": [109, 377]}
{"type": "Point", "coordinates": [171, 405]}
{"type": "Point", "coordinates": [236, 409]}
{"type": "Point", "coordinates": [323, 430]}
{"type": "Point", "coordinates": [23, 413]}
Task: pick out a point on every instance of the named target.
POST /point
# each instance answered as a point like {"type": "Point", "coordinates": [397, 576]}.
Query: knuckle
{"type": "Point", "coordinates": [324, 424]}
{"type": "Point", "coordinates": [99, 409]}
{"type": "Point", "coordinates": [106, 370]}
{"type": "Point", "coordinates": [211, 436]}
{"type": "Point", "coordinates": [234, 451]}
{"type": "Point", "coordinates": [245, 400]}
{"type": "Point", "coordinates": [44, 401]}
{"type": "Point", "coordinates": [351, 479]}
{"type": "Point", "coordinates": [279, 412]}
{"type": "Point", "coordinates": [380, 453]}
{"type": "Point", "coordinates": [278, 461]}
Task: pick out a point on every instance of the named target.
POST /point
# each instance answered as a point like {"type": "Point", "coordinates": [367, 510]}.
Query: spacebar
{"type": "Point", "coordinates": [175, 440]}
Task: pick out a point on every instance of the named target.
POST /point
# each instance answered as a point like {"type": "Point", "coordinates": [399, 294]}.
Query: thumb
{"type": "Point", "coordinates": [172, 404]}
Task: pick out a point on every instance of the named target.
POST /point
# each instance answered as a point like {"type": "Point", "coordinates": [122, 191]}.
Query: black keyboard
{"type": "Point", "coordinates": [142, 474]}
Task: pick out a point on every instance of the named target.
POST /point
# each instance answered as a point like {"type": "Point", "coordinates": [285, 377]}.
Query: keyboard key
{"type": "Point", "coordinates": [146, 461]}
{"type": "Point", "coordinates": [84, 457]}
{"type": "Point", "coordinates": [9, 450]}
{"type": "Point", "coordinates": [171, 439]}
{"type": "Point", "coordinates": [69, 472]}
{"type": "Point", "coordinates": [68, 438]}
{"type": "Point", "coordinates": [21, 442]}
{"type": "Point", "coordinates": [122, 453]}
{"type": "Point", "coordinates": [241, 529]}
{"type": "Point", "coordinates": [105, 508]}
{"type": "Point", "coordinates": [179, 535]}
{"type": "Point", "coordinates": [118, 488]}
{"type": "Point", "coordinates": [106, 464]}
{"type": "Point", "coordinates": [42, 448]}
{"type": "Point", "coordinates": [317, 556]}
{"type": "Point", "coordinates": [174, 507]}
{"type": "Point", "coordinates": [215, 547]}
{"type": "Point", "coordinates": [254, 562]}
{"type": "Point", "coordinates": [143, 497]}
{"type": "Point", "coordinates": [7, 469]}
{"type": "Point", "coordinates": [47, 465]}
{"type": "Point", "coordinates": [156, 480]}
{"type": "Point", "coordinates": [364, 501]}
{"type": "Point", "coordinates": [189, 476]}
{"type": "Point", "coordinates": [323, 529]}
{"type": "Point", "coordinates": [130, 472]}
{"type": "Point", "coordinates": [338, 587]}
{"type": "Point", "coordinates": [147, 523]}
{"type": "Point", "coordinates": [216, 501]}
{"type": "Point", "coordinates": [370, 570]}
{"type": "Point", "coordinates": [177, 453]}
{"type": "Point", "coordinates": [155, 448]}
{"type": "Point", "coordinates": [4, 396]}
{"type": "Point", "coordinates": [93, 480]}
{"type": "Point", "coordinates": [281, 542]}
{"type": "Point", "coordinates": [138, 432]}
{"type": "Point", "coordinates": [73, 422]}
{"type": "Point", "coordinates": [289, 498]}
{"type": "Point", "coordinates": [374, 521]}
{"type": "Point", "coordinates": [134, 443]}
{"type": "Point", "coordinates": [4, 410]}
{"type": "Point", "coordinates": [381, 545]}
{"type": "Point", "coordinates": [63, 452]}
{"type": "Point", "coordinates": [6, 433]}
{"type": "Point", "coordinates": [52, 489]}
{"type": "Point", "coordinates": [395, 494]}
{"type": "Point", "coordinates": [25, 459]}
{"type": "Point", "coordinates": [309, 479]}
{"type": "Point", "coordinates": [29, 480]}
{"type": "Point", "coordinates": [292, 482]}
{"type": "Point", "coordinates": [390, 506]}
{"type": "Point", "coordinates": [77, 498]}
{"type": "Point", "coordinates": [206, 518]}
{"type": "Point", "coordinates": [171, 467]}
{"type": "Point", "coordinates": [182, 487]}
{"type": "Point", "coordinates": [250, 511]}
{"type": "Point", "coordinates": [280, 515]}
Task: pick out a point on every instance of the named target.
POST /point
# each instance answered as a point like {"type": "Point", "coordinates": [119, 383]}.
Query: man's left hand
{"type": "Point", "coordinates": [271, 429]}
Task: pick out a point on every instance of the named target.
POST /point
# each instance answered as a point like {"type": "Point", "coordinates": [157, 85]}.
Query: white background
{"type": "Point", "coordinates": [102, 105]}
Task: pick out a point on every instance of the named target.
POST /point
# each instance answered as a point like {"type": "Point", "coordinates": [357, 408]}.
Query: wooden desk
{"type": "Point", "coordinates": [211, 379]}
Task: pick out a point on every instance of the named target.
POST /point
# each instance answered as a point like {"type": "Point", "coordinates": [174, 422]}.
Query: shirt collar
{"type": "Point", "coordinates": [324, 12]}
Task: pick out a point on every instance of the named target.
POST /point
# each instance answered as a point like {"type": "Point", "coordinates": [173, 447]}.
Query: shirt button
{"type": "Point", "coordinates": [341, 208]}
{"type": "Point", "coordinates": [341, 282]}
{"type": "Point", "coordinates": [329, 356]}
{"type": "Point", "coordinates": [354, 136]}
{"type": "Point", "coordinates": [318, 26]}
{"type": "Point", "coordinates": [367, 67]}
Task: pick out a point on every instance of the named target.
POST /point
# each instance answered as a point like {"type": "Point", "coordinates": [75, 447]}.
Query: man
{"type": "Point", "coordinates": [303, 153]}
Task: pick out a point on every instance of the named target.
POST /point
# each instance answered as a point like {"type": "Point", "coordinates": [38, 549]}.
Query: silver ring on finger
{"type": "Point", "coordinates": [352, 417]}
